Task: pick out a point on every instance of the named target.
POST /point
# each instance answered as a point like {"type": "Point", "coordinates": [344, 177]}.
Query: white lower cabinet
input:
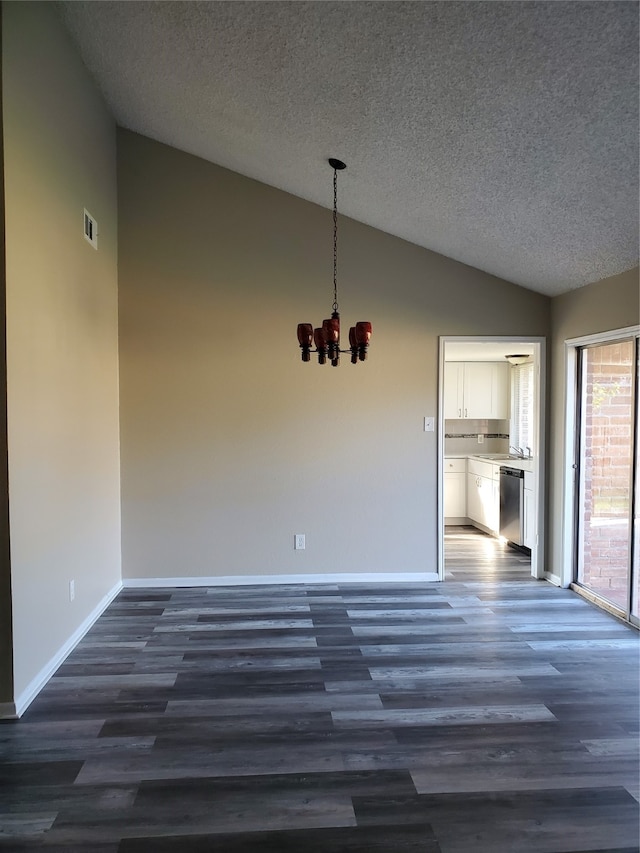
{"type": "Point", "coordinates": [529, 510]}
{"type": "Point", "coordinates": [480, 500]}
{"type": "Point", "coordinates": [476, 495]}
{"type": "Point", "coordinates": [495, 505]}
{"type": "Point", "coordinates": [483, 494]}
{"type": "Point", "coordinates": [455, 488]}
{"type": "Point", "coordinates": [455, 496]}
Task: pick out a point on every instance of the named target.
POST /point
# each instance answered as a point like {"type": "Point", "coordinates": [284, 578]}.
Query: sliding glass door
{"type": "Point", "coordinates": [607, 478]}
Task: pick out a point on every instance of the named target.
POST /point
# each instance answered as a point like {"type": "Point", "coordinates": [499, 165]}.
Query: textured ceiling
{"type": "Point", "coordinates": [502, 134]}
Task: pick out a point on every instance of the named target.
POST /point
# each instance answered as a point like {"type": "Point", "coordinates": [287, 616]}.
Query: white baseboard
{"type": "Point", "coordinates": [254, 580]}
{"type": "Point", "coordinates": [554, 579]}
{"type": "Point", "coordinates": [35, 685]}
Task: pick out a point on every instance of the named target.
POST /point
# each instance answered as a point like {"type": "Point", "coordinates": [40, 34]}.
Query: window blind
{"type": "Point", "coordinates": [522, 402]}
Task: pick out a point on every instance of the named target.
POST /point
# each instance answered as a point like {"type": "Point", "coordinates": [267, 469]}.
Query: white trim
{"type": "Point", "coordinates": [440, 464]}
{"type": "Point", "coordinates": [603, 337]}
{"type": "Point", "coordinates": [540, 362]}
{"type": "Point", "coordinates": [36, 684]}
{"type": "Point", "coordinates": [257, 580]}
{"type": "Point", "coordinates": [538, 551]}
{"type": "Point", "coordinates": [554, 579]}
{"type": "Point", "coordinates": [571, 346]}
{"type": "Point", "coordinates": [568, 461]}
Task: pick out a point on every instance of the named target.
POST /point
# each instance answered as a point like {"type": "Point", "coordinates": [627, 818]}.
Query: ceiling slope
{"type": "Point", "coordinates": [504, 135]}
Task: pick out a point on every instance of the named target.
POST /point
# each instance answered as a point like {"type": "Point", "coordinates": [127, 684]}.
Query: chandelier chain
{"type": "Point", "coordinates": [335, 240]}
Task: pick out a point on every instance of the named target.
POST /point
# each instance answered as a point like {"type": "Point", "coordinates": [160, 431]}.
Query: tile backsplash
{"type": "Point", "coordinates": [461, 436]}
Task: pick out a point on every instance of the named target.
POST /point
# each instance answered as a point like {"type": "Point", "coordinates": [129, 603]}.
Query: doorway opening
{"type": "Point", "coordinates": [491, 457]}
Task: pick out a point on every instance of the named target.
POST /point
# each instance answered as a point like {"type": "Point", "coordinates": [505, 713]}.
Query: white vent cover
{"type": "Point", "coordinates": [90, 229]}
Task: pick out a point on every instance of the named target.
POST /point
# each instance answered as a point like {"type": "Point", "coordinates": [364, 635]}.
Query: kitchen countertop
{"type": "Point", "coordinates": [501, 458]}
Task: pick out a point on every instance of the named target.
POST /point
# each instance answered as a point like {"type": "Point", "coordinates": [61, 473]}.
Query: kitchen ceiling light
{"type": "Point", "coordinates": [327, 337]}
{"type": "Point", "coordinates": [517, 359]}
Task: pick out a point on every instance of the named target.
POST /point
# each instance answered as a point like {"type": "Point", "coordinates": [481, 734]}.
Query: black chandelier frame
{"type": "Point", "coordinates": [327, 337]}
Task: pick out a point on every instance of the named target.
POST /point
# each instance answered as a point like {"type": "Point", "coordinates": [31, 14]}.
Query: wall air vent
{"type": "Point", "coordinates": [90, 229]}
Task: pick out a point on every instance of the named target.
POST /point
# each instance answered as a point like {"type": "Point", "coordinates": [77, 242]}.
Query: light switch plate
{"type": "Point", "coordinates": [429, 424]}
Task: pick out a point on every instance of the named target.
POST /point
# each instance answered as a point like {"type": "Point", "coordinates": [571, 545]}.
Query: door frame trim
{"type": "Point", "coordinates": [540, 366]}
{"type": "Point", "coordinates": [569, 499]}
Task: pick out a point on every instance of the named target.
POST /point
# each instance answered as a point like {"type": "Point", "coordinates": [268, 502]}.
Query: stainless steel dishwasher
{"type": "Point", "coordinates": [512, 505]}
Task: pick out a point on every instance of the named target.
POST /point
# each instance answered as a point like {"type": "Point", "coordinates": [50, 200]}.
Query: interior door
{"type": "Point", "coordinates": [606, 460]}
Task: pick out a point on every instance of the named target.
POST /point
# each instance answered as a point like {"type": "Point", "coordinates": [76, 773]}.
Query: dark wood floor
{"type": "Point", "coordinates": [492, 713]}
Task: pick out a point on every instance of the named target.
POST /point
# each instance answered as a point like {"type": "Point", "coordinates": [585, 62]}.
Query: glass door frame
{"type": "Point", "coordinates": [573, 349]}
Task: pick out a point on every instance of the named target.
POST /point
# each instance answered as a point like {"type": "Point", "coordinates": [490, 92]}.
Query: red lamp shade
{"type": "Point", "coordinates": [331, 330]}
{"type": "Point", "coordinates": [363, 333]}
{"type": "Point", "coordinates": [353, 343]}
{"type": "Point", "coordinates": [363, 336]}
{"type": "Point", "coordinates": [305, 334]}
{"type": "Point", "coordinates": [321, 345]}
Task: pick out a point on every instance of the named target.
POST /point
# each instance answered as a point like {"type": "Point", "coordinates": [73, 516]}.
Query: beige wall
{"type": "Point", "coordinates": [230, 444]}
{"type": "Point", "coordinates": [62, 374]}
{"type": "Point", "coordinates": [601, 307]}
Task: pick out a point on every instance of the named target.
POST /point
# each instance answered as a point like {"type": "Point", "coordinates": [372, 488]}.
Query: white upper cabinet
{"type": "Point", "coordinates": [500, 391]}
{"type": "Point", "coordinates": [453, 381]}
{"type": "Point", "coordinates": [476, 389]}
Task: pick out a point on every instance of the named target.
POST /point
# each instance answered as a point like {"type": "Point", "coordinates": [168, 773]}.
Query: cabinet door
{"type": "Point", "coordinates": [453, 379]}
{"type": "Point", "coordinates": [478, 378]}
{"type": "Point", "coordinates": [494, 507]}
{"type": "Point", "coordinates": [480, 500]}
{"type": "Point", "coordinates": [486, 502]}
{"type": "Point", "coordinates": [529, 519]}
{"type": "Point", "coordinates": [455, 495]}
{"type": "Point", "coordinates": [474, 507]}
{"type": "Point", "coordinates": [500, 392]}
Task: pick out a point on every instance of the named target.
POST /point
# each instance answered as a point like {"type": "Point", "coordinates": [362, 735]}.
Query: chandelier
{"type": "Point", "coordinates": [327, 337]}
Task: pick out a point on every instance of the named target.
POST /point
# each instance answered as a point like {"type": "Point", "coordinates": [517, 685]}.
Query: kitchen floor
{"type": "Point", "coordinates": [470, 554]}
{"type": "Point", "coordinates": [492, 713]}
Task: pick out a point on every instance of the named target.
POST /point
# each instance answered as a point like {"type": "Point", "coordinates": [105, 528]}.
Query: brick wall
{"type": "Point", "coordinates": [606, 466]}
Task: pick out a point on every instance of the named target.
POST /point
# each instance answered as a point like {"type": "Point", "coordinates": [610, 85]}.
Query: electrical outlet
{"type": "Point", "coordinates": [480, 438]}
{"type": "Point", "coordinates": [72, 590]}
{"type": "Point", "coordinates": [299, 542]}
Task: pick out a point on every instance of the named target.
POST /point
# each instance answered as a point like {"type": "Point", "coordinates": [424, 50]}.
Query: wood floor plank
{"type": "Point", "coordinates": [492, 713]}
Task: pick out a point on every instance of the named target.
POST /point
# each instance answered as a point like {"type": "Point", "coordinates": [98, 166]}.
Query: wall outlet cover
{"type": "Point", "coordinates": [299, 541]}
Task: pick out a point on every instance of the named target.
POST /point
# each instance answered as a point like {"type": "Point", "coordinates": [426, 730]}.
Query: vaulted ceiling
{"type": "Point", "coordinates": [501, 134]}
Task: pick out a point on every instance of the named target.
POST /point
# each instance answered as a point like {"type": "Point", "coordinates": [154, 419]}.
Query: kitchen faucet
{"type": "Point", "coordinates": [519, 452]}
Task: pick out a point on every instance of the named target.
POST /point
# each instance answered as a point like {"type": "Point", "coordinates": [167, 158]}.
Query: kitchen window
{"type": "Point", "coordinates": [521, 433]}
